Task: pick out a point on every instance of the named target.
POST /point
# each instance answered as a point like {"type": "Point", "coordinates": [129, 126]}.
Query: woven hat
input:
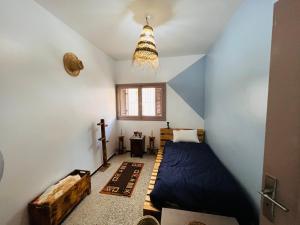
{"type": "Point", "coordinates": [196, 223]}
{"type": "Point", "coordinates": [147, 220]}
{"type": "Point", "coordinates": [72, 64]}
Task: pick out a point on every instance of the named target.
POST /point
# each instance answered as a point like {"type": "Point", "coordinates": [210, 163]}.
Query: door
{"type": "Point", "coordinates": [282, 145]}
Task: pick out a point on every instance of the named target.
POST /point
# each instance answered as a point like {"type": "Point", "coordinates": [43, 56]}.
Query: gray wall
{"type": "Point", "coordinates": [189, 84]}
{"type": "Point", "coordinates": [236, 80]}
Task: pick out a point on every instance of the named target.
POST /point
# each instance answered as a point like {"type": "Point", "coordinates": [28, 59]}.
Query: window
{"type": "Point", "coordinates": [141, 101]}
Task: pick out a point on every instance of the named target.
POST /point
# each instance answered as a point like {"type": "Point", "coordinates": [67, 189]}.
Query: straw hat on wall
{"type": "Point", "coordinates": [72, 64]}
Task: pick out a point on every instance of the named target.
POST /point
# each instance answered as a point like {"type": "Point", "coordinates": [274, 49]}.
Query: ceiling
{"type": "Point", "coordinates": [181, 27]}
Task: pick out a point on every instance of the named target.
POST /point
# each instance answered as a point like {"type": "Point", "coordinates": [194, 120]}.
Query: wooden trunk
{"type": "Point", "coordinates": [56, 212]}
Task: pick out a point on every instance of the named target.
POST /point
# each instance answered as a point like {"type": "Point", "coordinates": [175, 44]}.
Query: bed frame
{"type": "Point", "coordinates": [165, 135]}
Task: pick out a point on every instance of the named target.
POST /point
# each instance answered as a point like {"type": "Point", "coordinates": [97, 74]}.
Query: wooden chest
{"type": "Point", "coordinates": [56, 212]}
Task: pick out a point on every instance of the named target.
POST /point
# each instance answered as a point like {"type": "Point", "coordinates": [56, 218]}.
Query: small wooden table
{"type": "Point", "coordinates": [181, 217]}
{"type": "Point", "coordinates": [137, 146]}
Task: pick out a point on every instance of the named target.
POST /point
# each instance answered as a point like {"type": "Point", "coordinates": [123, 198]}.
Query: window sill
{"type": "Point", "coordinates": [142, 119]}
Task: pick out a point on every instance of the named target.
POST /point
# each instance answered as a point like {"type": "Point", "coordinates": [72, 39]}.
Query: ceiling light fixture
{"type": "Point", "coordinates": [145, 53]}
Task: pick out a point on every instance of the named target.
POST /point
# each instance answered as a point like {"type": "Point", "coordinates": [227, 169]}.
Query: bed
{"type": "Point", "coordinates": [189, 176]}
{"type": "Point", "coordinates": [165, 136]}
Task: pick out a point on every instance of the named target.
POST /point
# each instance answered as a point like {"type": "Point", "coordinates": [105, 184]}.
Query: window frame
{"type": "Point", "coordinates": [140, 117]}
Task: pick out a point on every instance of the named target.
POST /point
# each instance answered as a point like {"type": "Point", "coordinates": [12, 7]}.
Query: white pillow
{"type": "Point", "coordinates": [185, 136]}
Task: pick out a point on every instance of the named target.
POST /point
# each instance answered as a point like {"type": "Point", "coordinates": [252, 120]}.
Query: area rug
{"type": "Point", "coordinates": [124, 180]}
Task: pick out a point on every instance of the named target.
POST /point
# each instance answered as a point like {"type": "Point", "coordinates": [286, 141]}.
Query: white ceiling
{"type": "Point", "coordinates": [181, 27]}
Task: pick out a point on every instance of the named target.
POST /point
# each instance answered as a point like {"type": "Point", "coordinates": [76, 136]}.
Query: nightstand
{"type": "Point", "coordinates": [180, 217]}
{"type": "Point", "coordinates": [137, 146]}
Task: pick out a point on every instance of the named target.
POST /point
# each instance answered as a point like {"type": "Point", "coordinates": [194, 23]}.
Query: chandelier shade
{"type": "Point", "coordinates": [146, 53]}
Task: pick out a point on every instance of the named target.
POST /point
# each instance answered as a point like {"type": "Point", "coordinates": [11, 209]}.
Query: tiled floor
{"type": "Point", "coordinates": [102, 209]}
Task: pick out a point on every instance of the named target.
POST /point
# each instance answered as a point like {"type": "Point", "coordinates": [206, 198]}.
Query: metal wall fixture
{"type": "Point", "coordinates": [1, 165]}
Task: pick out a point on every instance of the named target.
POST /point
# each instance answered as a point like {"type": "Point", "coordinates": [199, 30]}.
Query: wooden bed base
{"type": "Point", "coordinates": [165, 135]}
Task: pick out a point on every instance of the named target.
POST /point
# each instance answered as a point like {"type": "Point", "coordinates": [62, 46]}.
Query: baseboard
{"type": "Point", "coordinates": [102, 164]}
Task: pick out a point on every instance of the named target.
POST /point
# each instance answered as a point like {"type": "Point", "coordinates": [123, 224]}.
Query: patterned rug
{"type": "Point", "coordinates": [123, 181]}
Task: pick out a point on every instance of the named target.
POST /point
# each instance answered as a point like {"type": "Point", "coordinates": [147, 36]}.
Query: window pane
{"type": "Point", "coordinates": [128, 102]}
{"type": "Point", "coordinates": [133, 102]}
{"type": "Point", "coordinates": [148, 102]}
{"type": "Point", "coordinates": [159, 101]}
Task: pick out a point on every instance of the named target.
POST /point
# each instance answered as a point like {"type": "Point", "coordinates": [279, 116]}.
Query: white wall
{"type": "Point", "coordinates": [179, 113]}
{"type": "Point", "coordinates": [47, 118]}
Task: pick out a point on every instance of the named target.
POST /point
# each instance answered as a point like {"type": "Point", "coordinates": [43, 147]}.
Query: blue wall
{"type": "Point", "coordinates": [189, 84]}
{"type": "Point", "coordinates": [236, 85]}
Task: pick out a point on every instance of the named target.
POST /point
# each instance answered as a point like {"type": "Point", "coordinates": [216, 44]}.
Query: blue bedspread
{"type": "Point", "coordinates": [193, 178]}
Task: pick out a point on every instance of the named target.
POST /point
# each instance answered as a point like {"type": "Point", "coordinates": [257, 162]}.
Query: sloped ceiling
{"type": "Point", "coordinates": [182, 27]}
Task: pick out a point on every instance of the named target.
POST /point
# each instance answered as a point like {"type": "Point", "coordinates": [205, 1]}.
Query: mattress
{"type": "Point", "coordinates": [191, 177]}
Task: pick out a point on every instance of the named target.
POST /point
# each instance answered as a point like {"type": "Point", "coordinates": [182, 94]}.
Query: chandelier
{"type": "Point", "coordinates": [145, 53]}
